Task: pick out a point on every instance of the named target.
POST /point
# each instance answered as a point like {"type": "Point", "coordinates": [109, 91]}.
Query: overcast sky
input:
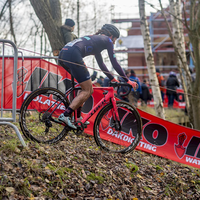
{"type": "Point", "coordinates": [130, 7]}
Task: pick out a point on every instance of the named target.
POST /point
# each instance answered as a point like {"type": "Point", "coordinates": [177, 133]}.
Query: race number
{"type": "Point", "coordinates": [70, 44]}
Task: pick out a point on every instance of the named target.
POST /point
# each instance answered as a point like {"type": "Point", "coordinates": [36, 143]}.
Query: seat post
{"type": "Point", "coordinates": [72, 79]}
{"type": "Point", "coordinates": [73, 93]}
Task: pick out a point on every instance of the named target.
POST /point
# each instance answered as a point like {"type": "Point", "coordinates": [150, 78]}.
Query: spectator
{"type": "Point", "coordinates": [145, 96]}
{"type": "Point", "coordinates": [172, 83]}
{"type": "Point", "coordinates": [123, 89]}
{"type": "Point", "coordinates": [100, 81]}
{"type": "Point", "coordinates": [193, 75]}
{"type": "Point", "coordinates": [94, 75]}
{"type": "Point", "coordinates": [127, 74]}
{"type": "Point", "coordinates": [67, 31]}
{"type": "Point", "coordinates": [106, 82]}
{"type": "Point", "coordinates": [135, 94]}
{"type": "Point", "coordinates": [161, 82]}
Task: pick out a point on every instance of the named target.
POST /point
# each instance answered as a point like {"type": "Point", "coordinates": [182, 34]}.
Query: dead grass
{"type": "Point", "coordinates": [76, 169]}
{"type": "Point", "coordinates": [174, 115]}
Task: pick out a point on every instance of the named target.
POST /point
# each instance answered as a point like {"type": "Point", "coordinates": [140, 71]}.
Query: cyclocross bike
{"type": "Point", "coordinates": [117, 127]}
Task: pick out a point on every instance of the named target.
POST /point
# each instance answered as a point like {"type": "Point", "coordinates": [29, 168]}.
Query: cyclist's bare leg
{"type": "Point", "coordinates": [86, 91]}
{"type": "Point", "coordinates": [82, 96]}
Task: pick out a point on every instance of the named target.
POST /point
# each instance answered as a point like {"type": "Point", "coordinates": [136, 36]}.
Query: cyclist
{"type": "Point", "coordinates": [71, 59]}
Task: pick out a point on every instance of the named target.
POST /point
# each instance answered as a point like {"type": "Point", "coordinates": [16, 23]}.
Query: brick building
{"type": "Point", "coordinates": [163, 51]}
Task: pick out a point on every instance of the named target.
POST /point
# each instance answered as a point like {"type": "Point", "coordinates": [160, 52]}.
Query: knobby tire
{"type": "Point", "coordinates": [33, 116]}
{"type": "Point", "coordinates": [105, 133]}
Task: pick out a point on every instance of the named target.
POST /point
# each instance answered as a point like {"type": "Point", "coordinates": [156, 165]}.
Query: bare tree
{"type": "Point", "coordinates": [49, 13]}
{"type": "Point", "coordinates": [158, 104]}
{"type": "Point", "coordinates": [11, 21]}
{"type": "Point", "coordinates": [192, 85]}
{"type": "Point", "coordinates": [3, 9]}
{"type": "Point", "coordinates": [179, 43]}
{"type": "Point", "coordinates": [194, 36]}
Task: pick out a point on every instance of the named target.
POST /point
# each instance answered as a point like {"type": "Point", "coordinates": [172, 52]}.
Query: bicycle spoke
{"type": "Point", "coordinates": [120, 136]}
{"type": "Point", "coordinates": [39, 115]}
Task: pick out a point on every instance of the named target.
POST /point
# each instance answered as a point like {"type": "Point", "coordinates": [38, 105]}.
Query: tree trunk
{"type": "Point", "coordinates": [195, 98]}
{"type": "Point", "coordinates": [11, 21]}
{"type": "Point", "coordinates": [192, 88]}
{"type": "Point", "coordinates": [179, 40]}
{"type": "Point", "coordinates": [195, 41]}
{"type": "Point", "coordinates": [158, 104]}
{"type": "Point", "coordinates": [3, 9]}
{"type": "Point", "coordinates": [49, 13]}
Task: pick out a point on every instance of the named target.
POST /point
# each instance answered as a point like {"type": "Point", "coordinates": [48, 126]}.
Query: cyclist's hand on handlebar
{"type": "Point", "coordinates": [133, 84]}
{"type": "Point", "coordinates": [114, 80]}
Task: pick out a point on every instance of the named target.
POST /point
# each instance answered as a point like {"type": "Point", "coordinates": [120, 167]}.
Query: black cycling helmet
{"type": "Point", "coordinates": [113, 30]}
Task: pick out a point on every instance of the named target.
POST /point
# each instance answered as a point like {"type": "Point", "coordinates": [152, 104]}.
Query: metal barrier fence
{"type": "Point", "coordinates": [8, 120]}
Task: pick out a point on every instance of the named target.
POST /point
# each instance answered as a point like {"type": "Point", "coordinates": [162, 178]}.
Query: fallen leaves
{"type": "Point", "coordinates": [10, 190]}
{"type": "Point", "coordinates": [76, 169]}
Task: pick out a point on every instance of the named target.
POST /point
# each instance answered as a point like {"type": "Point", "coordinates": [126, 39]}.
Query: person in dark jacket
{"type": "Point", "coordinates": [100, 81]}
{"type": "Point", "coordinates": [161, 82]}
{"type": "Point", "coordinates": [135, 94]}
{"type": "Point", "coordinates": [145, 95]}
{"type": "Point", "coordinates": [123, 89]}
{"type": "Point", "coordinates": [67, 31]}
{"type": "Point", "coordinates": [106, 82]}
{"type": "Point", "coordinates": [171, 84]}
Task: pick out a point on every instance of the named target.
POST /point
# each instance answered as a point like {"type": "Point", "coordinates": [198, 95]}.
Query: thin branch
{"type": "Point", "coordinates": [197, 21]}
{"type": "Point", "coordinates": [192, 7]}
{"type": "Point", "coordinates": [165, 11]}
{"type": "Point", "coordinates": [3, 9]}
{"type": "Point", "coordinates": [191, 53]}
{"type": "Point", "coordinates": [172, 38]}
{"type": "Point", "coordinates": [11, 21]}
{"type": "Point", "coordinates": [185, 17]}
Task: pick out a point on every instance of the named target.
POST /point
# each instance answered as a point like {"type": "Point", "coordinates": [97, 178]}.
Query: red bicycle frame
{"type": "Point", "coordinates": [109, 96]}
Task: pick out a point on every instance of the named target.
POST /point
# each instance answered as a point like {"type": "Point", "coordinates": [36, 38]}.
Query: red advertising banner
{"type": "Point", "coordinates": [162, 138]}
{"type": "Point", "coordinates": [159, 137]}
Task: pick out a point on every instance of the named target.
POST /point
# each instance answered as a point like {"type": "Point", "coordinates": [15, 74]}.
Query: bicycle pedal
{"type": "Point", "coordinates": [78, 132]}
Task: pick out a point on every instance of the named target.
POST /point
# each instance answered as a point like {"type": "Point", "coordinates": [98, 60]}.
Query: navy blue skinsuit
{"type": "Point", "coordinates": [72, 54]}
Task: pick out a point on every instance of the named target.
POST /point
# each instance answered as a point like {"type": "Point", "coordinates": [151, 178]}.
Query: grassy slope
{"type": "Point", "coordinates": [76, 169]}
{"type": "Point", "coordinates": [173, 115]}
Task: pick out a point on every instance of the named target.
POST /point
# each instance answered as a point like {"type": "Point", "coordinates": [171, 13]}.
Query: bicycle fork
{"type": "Point", "coordinates": [116, 121]}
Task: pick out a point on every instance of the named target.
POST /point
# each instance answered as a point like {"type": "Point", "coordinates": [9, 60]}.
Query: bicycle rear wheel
{"type": "Point", "coordinates": [114, 137]}
{"type": "Point", "coordinates": [36, 121]}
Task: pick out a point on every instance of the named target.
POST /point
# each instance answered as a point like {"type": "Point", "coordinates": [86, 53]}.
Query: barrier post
{"type": "Point", "coordinates": [6, 120]}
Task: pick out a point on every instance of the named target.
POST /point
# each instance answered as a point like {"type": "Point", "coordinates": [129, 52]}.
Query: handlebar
{"type": "Point", "coordinates": [127, 88]}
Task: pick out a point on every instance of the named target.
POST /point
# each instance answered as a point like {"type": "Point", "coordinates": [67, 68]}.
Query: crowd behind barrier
{"type": "Point", "coordinates": [143, 95]}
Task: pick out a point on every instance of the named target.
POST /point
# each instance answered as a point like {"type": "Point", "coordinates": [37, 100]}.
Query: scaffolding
{"type": "Point", "coordinates": [160, 40]}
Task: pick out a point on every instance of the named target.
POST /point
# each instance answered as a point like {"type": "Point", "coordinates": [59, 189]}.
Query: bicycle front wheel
{"type": "Point", "coordinates": [39, 113]}
{"type": "Point", "coordinates": [118, 137]}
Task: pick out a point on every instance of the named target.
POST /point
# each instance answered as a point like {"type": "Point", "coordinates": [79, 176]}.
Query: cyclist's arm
{"type": "Point", "coordinates": [103, 66]}
{"type": "Point", "coordinates": [114, 62]}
